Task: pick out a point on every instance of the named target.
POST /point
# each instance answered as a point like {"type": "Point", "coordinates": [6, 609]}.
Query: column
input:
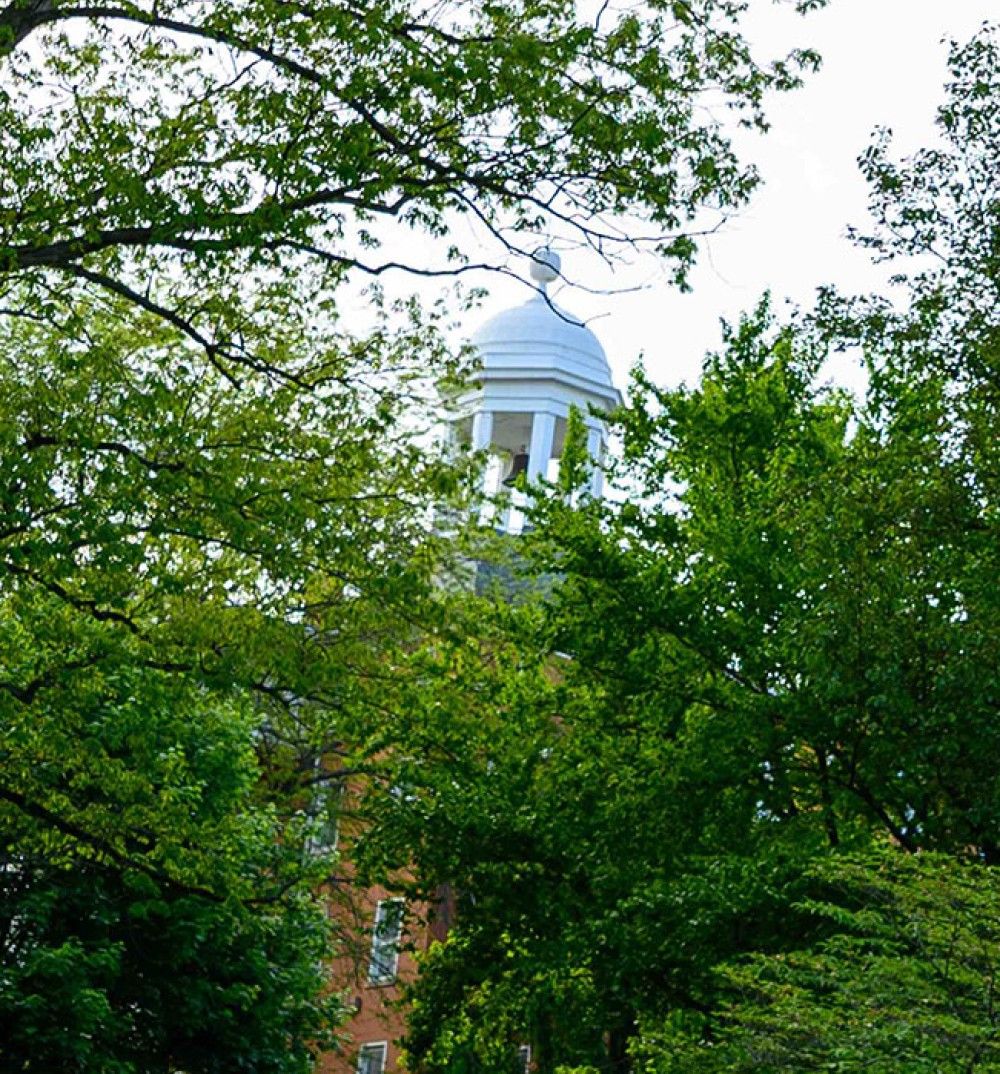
{"type": "Point", "coordinates": [482, 437]}
{"type": "Point", "coordinates": [543, 433]}
{"type": "Point", "coordinates": [482, 429]}
{"type": "Point", "coordinates": [595, 451]}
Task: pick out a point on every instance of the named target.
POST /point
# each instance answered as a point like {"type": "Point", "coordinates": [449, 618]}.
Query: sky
{"type": "Point", "coordinates": [884, 64]}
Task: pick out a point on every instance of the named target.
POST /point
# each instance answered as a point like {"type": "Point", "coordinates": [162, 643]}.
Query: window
{"type": "Point", "coordinates": [324, 812]}
{"type": "Point", "coordinates": [371, 1058]}
{"type": "Point", "coordinates": [524, 1058]}
{"type": "Point", "coordinates": [385, 941]}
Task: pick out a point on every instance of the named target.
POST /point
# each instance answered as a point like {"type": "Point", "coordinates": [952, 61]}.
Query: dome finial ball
{"type": "Point", "coordinates": [545, 266]}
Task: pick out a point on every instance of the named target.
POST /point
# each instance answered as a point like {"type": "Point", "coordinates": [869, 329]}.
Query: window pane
{"type": "Point", "coordinates": [385, 941]}
{"type": "Point", "coordinates": [371, 1059]}
{"type": "Point", "coordinates": [324, 809]}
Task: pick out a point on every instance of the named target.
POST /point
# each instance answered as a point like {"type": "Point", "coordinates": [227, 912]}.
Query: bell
{"type": "Point", "coordinates": [518, 466]}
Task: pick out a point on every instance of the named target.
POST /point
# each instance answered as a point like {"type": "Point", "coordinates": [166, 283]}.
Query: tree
{"type": "Point", "coordinates": [198, 610]}
{"type": "Point", "coordinates": [778, 651]}
{"type": "Point", "coordinates": [216, 546]}
{"type": "Point", "coordinates": [181, 146]}
{"type": "Point", "coordinates": [151, 916]}
{"type": "Point", "coordinates": [613, 827]}
{"type": "Point", "coordinates": [902, 980]}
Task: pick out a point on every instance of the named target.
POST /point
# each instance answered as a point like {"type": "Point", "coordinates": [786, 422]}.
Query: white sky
{"type": "Point", "coordinates": [883, 64]}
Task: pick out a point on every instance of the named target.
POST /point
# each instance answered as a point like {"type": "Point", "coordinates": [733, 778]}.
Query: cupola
{"type": "Point", "coordinates": [537, 361]}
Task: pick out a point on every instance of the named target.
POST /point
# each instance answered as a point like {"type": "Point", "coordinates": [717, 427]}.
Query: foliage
{"type": "Point", "coordinates": [776, 648]}
{"type": "Point", "coordinates": [216, 540]}
{"type": "Point", "coordinates": [275, 134]}
{"type": "Point", "coordinates": [904, 980]}
{"type": "Point", "coordinates": [182, 570]}
{"type": "Point", "coordinates": [150, 918]}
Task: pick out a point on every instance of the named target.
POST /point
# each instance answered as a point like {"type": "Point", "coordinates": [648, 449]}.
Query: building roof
{"type": "Point", "coordinates": [539, 340]}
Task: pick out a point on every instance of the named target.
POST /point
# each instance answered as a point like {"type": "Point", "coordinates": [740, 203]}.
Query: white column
{"type": "Point", "coordinates": [543, 433]}
{"type": "Point", "coordinates": [482, 429]}
{"type": "Point", "coordinates": [451, 439]}
{"type": "Point", "coordinates": [482, 437]}
{"type": "Point", "coordinates": [595, 450]}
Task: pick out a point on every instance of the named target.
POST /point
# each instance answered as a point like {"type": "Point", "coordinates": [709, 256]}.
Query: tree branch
{"type": "Point", "coordinates": [19, 18]}
{"type": "Point", "coordinates": [102, 846]}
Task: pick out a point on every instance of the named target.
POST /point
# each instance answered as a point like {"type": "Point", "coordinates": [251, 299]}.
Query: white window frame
{"type": "Point", "coordinates": [324, 810]}
{"type": "Point", "coordinates": [524, 1057]}
{"type": "Point", "coordinates": [375, 1047]}
{"type": "Point", "coordinates": [383, 961]}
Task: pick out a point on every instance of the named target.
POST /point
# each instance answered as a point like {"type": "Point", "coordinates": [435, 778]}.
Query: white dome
{"type": "Point", "coordinates": [539, 340]}
{"type": "Point", "coordinates": [538, 364]}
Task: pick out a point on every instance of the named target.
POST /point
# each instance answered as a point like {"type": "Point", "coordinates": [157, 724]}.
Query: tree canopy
{"type": "Point", "coordinates": [900, 978]}
{"type": "Point", "coordinates": [216, 545]}
{"type": "Point", "coordinates": [268, 133]}
{"type": "Point", "coordinates": [693, 814]}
